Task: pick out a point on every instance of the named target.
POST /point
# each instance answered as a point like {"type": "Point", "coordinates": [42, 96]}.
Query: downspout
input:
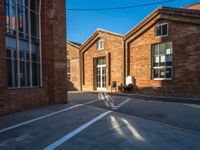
{"type": "Point", "coordinates": [80, 69]}
{"type": "Point", "coordinates": [124, 63]}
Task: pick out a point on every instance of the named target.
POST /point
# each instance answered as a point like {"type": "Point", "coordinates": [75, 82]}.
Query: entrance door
{"type": "Point", "coordinates": [101, 74]}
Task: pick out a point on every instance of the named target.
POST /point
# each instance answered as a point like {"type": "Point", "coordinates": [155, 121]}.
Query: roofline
{"type": "Point", "coordinates": [114, 33]}
{"type": "Point", "coordinates": [157, 8]}
{"type": "Point", "coordinates": [154, 13]}
{"type": "Point", "coordinates": [95, 33]}
{"type": "Point", "coordinates": [68, 42]}
{"type": "Point", "coordinates": [186, 6]}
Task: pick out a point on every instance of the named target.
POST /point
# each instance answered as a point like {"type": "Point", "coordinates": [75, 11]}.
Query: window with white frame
{"type": "Point", "coordinates": [100, 44]}
{"type": "Point", "coordinates": [161, 30]}
{"type": "Point", "coordinates": [162, 61]}
{"type": "Point", "coordinates": [22, 28]}
{"type": "Point", "coordinates": [68, 70]}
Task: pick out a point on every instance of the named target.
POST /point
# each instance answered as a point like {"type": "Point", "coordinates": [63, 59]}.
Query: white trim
{"type": "Point", "coordinates": [157, 79]}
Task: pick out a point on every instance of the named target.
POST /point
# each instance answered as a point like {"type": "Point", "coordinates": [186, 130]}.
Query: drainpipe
{"type": "Point", "coordinates": [124, 63]}
{"type": "Point", "coordinates": [80, 70]}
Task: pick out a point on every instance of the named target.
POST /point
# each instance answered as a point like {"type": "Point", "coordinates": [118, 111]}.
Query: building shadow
{"type": "Point", "coordinates": [71, 86]}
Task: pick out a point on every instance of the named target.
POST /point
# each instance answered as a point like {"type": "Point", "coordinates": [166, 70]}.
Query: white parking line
{"type": "Point", "coordinates": [76, 131]}
{"type": "Point", "coordinates": [87, 103]}
{"type": "Point", "coordinates": [38, 118]}
{"type": "Point", "coordinates": [121, 104]}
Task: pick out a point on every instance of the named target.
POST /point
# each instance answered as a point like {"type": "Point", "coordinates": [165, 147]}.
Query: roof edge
{"type": "Point", "coordinates": [68, 42]}
{"type": "Point", "coordinates": [95, 33]}
{"type": "Point", "coordinates": [156, 12]}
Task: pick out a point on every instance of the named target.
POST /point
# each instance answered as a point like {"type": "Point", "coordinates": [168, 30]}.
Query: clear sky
{"type": "Point", "coordinates": [81, 24]}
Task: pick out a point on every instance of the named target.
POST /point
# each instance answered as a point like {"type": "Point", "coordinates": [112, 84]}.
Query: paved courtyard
{"type": "Point", "coordinates": [100, 121]}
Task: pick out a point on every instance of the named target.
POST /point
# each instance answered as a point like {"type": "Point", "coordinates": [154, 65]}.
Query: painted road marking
{"type": "Point", "coordinates": [121, 104]}
{"type": "Point", "coordinates": [38, 118]}
{"type": "Point", "coordinates": [76, 131]}
{"type": "Point", "coordinates": [87, 103]}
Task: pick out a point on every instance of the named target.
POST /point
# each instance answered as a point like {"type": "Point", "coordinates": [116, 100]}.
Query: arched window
{"type": "Point", "coordinates": [23, 42]}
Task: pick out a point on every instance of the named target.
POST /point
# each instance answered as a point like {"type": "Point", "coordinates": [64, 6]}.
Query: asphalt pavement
{"type": "Point", "coordinates": [99, 121]}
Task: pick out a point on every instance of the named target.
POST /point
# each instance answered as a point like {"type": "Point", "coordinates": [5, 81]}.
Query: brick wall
{"type": "Point", "coordinates": [73, 56]}
{"type": "Point", "coordinates": [112, 52]}
{"type": "Point", "coordinates": [196, 6]}
{"type": "Point", "coordinates": [186, 64]}
{"type": "Point", "coordinates": [54, 89]}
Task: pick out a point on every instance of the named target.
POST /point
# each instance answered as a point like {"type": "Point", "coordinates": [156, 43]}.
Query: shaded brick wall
{"type": "Point", "coordinates": [73, 56]}
{"type": "Point", "coordinates": [186, 64]}
{"type": "Point", "coordinates": [54, 89]}
{"type": "Point", "coordinates": [113, 54]}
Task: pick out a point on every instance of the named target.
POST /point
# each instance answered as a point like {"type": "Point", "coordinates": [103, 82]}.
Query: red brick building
{"type": "Point", "coordinates": [163, 52]}
{"type": "Point", "coordinates": [73, 66]}
{"type": "Point", "coordinates": [101, 61]}
{"type": "Point", "coordinates": [193, 6]}
{"type": "Point", "coordinates": [32, 54]}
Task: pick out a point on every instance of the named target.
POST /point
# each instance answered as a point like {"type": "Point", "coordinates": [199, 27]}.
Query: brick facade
{"type": "Point", "coordinates": [54, 89]}
{"type": "Point", "coordinates": [112, 52]}
{"type": "Point", "coordinates": [184, 33]}
{"type": "Point", "coordinates": [194, 6]}
{"type": "Point", "coordinates": [73, 55]}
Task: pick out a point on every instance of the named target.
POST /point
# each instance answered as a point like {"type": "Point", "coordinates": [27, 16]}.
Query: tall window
{"type": "Point", "coordinates": [100, 45]}
{"type": "Point", "coordinates": [22, 28]}
{"type": "Point", "coordinates": [161, 30]}
{"type": "Point", "coordinates": [68, 70]}
{"type": "Point", "coordinates": [162, 61]}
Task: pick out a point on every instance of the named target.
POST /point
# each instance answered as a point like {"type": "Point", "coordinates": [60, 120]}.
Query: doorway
{"type": "Point", "coordinates": [101, 74]}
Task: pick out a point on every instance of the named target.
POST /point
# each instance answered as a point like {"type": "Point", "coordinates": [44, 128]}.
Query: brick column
{"type": "Point", "coordinates": [54, 50]}
{"type": "Point", "coordinates": [3, 62]}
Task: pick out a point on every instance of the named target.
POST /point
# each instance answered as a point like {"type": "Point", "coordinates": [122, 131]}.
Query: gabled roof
{"type": "Point", "coordinates": [190, 5]}
{"type": "Point", "coordinates": [74, 44]}
{"type": "Point", "coordinates": [161, 13]}
{"type": "Point", "coordinates": [95, 35]}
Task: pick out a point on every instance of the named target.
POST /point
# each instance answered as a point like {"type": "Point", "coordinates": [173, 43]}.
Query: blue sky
{"type": "Point", "coordinates": [81, 24]}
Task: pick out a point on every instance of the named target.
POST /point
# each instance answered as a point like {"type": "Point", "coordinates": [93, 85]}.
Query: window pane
{"type": "Point", "coordinates": [12, 68]}
{"type": "Point", "coordinates": [162, 73]}
{"type": "Point", "coordinates": [158, 31]}
{"type": "Point", "coordinates": [36, 74]}
{"type": "Point", "coordinates": [156, 75]}
{"type": "Point", "coordinates": [164, 29]}
{"type": "Point", "coordinates": [168, 60]}
{"type": "Point", "coordinates": [34, 5]}
{"type": "Point", "coordinates": [168, 72]}
{"type": "Point", "coordinates": [162, 60]}
{"type": "Point", "coordinates": [34, 26]}
{"type": "Point", "coordinates": [156, 61]}
{"type": "Point", "coordinates": [162, 49]}
{"type": "Point", "coordinates": [155, 49]}
{"type": "Point", "coordinates": [7, 13]}
{"type": "Point", "coordinates": [13, 18]}
{"type": "Point", "coordinates": [35, 53]}
{"type": "Point", "coordinates": [24, 73]}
